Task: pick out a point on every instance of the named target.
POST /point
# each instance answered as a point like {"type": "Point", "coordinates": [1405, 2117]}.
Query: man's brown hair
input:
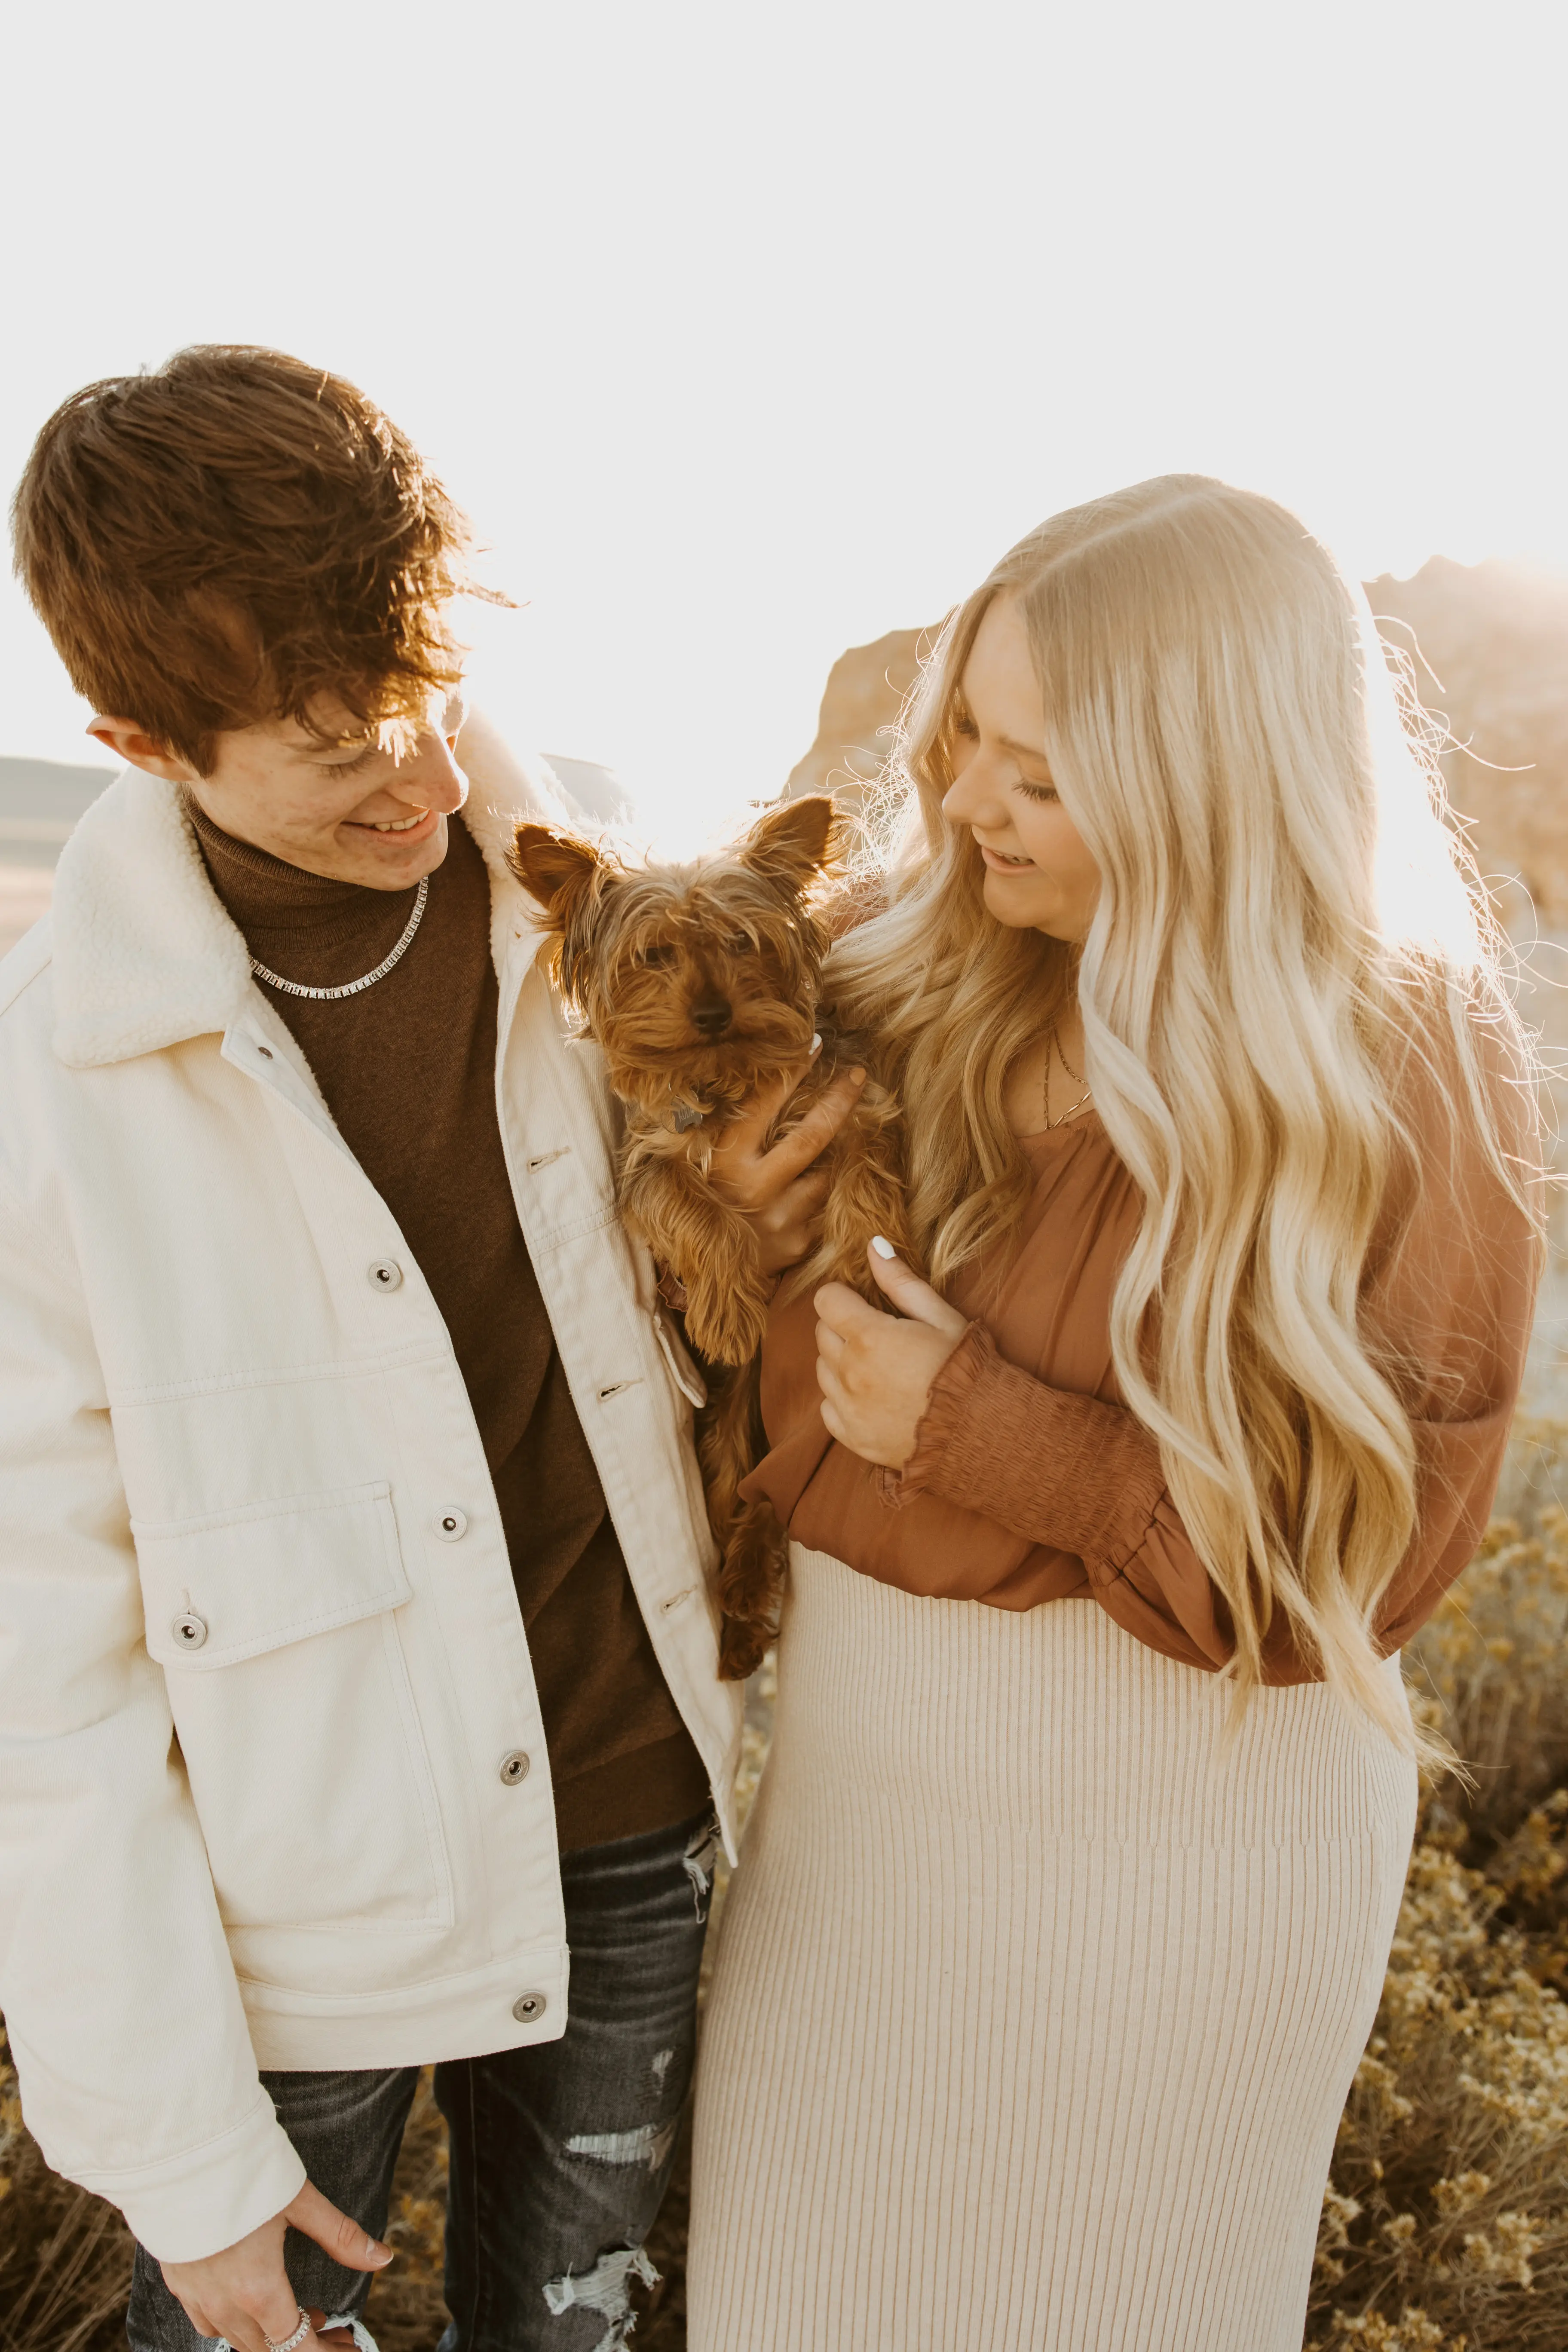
{"type": "Point", "coordinates": [237, 537]}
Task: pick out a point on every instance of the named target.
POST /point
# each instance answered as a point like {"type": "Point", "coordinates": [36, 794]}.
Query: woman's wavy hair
{"type": "Point", "coordinates": [1287, 914]}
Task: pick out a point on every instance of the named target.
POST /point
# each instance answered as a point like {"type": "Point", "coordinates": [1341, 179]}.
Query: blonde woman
{"type": "Point", "coordinates": [1066, 1901]}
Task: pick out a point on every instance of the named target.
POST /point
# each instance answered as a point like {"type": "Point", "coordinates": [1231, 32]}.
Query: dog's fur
{"type": "Point", "coordinates": [700, 984]}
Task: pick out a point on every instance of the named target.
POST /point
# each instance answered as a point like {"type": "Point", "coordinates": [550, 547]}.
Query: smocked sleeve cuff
{"type": "Point", "coordinates": [1061, 1469]}
{"type": "Point", "coordinates": [945, 1424]}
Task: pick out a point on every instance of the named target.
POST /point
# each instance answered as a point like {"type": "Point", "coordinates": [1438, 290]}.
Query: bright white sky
{"type": "Point", "coordinates": [747, 334]}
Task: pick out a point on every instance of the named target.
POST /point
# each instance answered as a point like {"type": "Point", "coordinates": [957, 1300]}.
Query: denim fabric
{"type": "Point", "coordinates": [560, 2153]}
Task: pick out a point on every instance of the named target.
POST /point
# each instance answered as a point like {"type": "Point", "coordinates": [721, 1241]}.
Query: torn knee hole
{"type": "Point", "coordinates": [649, 2145]}
{"type": "Point", "coordinates": [605, 2290]}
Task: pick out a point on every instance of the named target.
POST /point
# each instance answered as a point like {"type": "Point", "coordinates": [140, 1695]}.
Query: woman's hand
{"type": "Point", "coordinates": [779, 1192]}
{"type": "Point", "coordinates": [876, 1372]}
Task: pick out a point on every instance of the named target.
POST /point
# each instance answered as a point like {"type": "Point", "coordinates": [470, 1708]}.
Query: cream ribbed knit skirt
{"type": "Point", "coordinates": [1034, 2011]}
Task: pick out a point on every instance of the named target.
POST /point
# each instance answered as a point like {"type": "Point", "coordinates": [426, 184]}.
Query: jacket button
{"type": "Point", "coordinates": [384, 1273]}
{"type": "Point", "coordinates": [452, 1526]}
{"type": "Point", "coordinates": [514, 1767]}
{"type": "Point", "coordinates": [528, 2007]}
{"type": "Point", "coordinates": [189, 1631]}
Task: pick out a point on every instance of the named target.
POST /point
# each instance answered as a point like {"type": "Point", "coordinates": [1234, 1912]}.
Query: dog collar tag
{"type": "Point", "coordinates": [686, 1117]}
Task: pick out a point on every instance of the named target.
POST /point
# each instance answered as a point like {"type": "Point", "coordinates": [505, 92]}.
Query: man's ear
{"type": "Point", "coordinates": [795, 841]}
{"type": "Point", "coordinates": [555, 867]}
{"type": "Point", "coordinates": [122, 739]}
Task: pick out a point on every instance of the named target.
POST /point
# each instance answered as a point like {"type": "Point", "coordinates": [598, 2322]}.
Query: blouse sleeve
{"type": "Point", "coordinates": [1448, 1317]}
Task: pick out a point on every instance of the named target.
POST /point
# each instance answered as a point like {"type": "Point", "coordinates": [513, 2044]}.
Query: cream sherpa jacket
{"type": "Point", "coordinates": [262, 1662]}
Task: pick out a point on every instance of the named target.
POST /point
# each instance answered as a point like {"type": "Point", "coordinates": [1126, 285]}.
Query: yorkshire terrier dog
{"type": "Point", "coordinates": [700, 984]}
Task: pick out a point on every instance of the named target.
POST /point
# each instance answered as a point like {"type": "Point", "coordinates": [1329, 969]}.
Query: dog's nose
{"type": "Point", "coordinates": [710, 1014]}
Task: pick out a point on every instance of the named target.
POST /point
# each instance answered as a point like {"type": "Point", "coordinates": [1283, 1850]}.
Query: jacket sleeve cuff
{"type": "Point", "coordinates": [208, 2197]}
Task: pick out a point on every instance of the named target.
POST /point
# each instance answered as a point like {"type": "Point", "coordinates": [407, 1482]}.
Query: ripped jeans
{"type": "Point", "coordinates": [560, 2153]}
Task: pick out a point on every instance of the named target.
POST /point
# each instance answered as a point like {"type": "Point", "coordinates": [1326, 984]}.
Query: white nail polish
{"type": "Point", "coordinates": [883, 1248]}
{"type": "Point", "coordinates": [816, 1041]}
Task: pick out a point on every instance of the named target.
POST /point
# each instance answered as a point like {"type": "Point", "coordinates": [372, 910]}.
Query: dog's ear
{"type": "Point", "coordinates": [567, 874]}
{"type": "Point", "coordinates": [555, 867]}
{"type": "Point", "coordinates": [794, 842]}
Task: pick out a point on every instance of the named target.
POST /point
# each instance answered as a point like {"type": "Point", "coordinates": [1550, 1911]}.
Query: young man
{"type": "Point", "coordinates": [357, 1672]}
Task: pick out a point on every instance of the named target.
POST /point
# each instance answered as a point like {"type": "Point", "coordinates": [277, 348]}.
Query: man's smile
{"type": "Point", "coordinates": [423, 821]}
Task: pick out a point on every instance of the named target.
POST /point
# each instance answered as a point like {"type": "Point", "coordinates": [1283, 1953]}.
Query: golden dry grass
{"type": "Point", "coordinates": [65, 2256]}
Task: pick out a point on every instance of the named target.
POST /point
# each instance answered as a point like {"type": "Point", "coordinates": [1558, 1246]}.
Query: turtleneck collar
{"type": "Point", "coordinates": [265, 894]}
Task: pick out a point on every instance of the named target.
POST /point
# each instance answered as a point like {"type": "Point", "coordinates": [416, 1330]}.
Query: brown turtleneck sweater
{"type": "Point", "coordinates": [407, 1070]}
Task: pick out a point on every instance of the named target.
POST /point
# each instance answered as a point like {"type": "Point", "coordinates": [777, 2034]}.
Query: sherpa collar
{"type": "Point", "coordinates": [143, 952]}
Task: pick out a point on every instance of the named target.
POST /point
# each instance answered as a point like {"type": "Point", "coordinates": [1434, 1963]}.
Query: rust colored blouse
{"type": "Point", "coordinates": [1030, 1482]}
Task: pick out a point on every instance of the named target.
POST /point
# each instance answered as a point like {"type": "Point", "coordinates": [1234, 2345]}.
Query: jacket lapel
{"type": "Point", "coordinates": [144, 955]}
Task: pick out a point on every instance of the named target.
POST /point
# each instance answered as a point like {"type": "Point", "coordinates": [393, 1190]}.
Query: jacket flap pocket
{"type": "Point", "coordinates": [228, 1587]}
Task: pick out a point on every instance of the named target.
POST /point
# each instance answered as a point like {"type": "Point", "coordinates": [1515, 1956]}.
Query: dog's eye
{"type": "Point", "coordinates": [658, 954]}
{"type": "Point", "coordinates": [742, 944]}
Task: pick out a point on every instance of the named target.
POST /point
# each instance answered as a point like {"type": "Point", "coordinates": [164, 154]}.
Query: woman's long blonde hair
{"type": "Point", "coordinates": [1287, 913]}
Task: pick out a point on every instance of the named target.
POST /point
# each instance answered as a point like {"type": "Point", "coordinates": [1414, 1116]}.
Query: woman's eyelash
{"type": "Point", "coordinates": [1039, 791]}
{"type": "Point", "coordinates": [349, 767]}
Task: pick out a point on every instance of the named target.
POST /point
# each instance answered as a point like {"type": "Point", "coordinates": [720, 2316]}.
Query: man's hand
{"type": "Point", "coordinates": [243, 2293]}
{"type": "Point", "coordinates": [876, 1372]}
{"type": "Point", "coordinates": [778, 1192]}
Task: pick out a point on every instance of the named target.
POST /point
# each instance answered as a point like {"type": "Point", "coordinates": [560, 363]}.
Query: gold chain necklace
{"type": "Point", "coordinates": [1054, 1046]}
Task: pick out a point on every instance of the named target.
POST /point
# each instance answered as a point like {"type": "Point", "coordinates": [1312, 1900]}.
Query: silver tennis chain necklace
{"type": "Point", "coordinates": [352, 987]}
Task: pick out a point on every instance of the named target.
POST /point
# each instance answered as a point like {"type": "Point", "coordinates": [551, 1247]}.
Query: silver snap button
{"type": "Point", "coordinates": [189, 1631]}
{"type": "Point", "coordinates": [514, 1767]}
{"type": "Point", "coordinates": [384, 1274]}
{"type": "Point", "coordinates": [527, 2006]}
{"type": "Point", "coordinates": [452, 1526]}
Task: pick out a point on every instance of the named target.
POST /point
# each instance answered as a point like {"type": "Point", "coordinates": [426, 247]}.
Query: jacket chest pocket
{"type": "Point", "coordinates": [277, 1625]}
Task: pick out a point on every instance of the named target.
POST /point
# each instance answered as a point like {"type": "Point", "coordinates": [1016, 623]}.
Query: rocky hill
{"type": "Point", "coordinates": [1488, 648]}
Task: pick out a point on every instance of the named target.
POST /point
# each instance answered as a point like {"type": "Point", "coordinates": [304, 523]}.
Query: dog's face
{"type": "Point", "coordinates": [699, 980]}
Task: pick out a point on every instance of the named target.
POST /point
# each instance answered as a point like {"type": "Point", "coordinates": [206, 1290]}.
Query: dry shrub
{"type": "Point", "coordinates": [403, 2311]}
{"type": "Point", "coordinates": [1445, 2227]}
{"type": "Point", "coordinates": [1491, 1660]}
{"type": "Point", "coordinates": [65, 2255]}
